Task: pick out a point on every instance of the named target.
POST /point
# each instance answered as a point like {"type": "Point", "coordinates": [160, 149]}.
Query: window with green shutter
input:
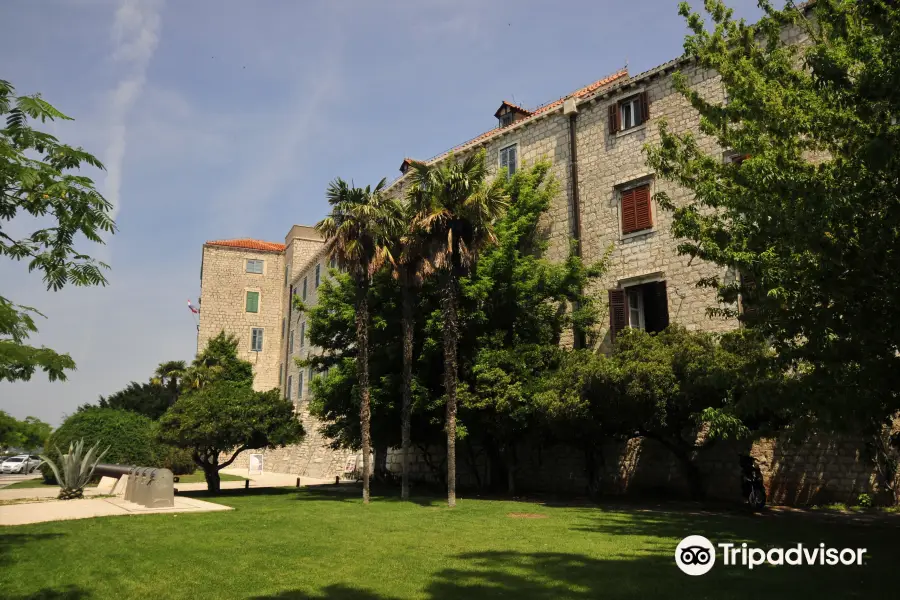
{"type": "Point", "coordinates": [252, 302]}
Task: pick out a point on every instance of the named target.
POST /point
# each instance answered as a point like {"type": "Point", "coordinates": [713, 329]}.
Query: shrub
{"type": "Point", "coordinates": [131, 438]}
{"type": "Point", "coordinates": [864, 500]}
{"type": "Point", "coordinates": [177, 460]}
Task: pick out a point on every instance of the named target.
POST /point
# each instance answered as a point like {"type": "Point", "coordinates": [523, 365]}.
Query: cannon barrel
{"type": "Point", "coordinates": [108, 470]}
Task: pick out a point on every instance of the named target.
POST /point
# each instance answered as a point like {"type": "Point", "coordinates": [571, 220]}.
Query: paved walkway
{"type": "Point", "coordinates": [43, 505]}
{"type": "Point", "coordinates": [256, 481]}
{"type": "Point", "coordinates": [64, 510]}
{"type": "Point", "coordinates": [6, 480]}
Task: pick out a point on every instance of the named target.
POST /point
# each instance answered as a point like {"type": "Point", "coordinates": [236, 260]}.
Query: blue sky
{"type": "Point", "coordinates": [228, 119]}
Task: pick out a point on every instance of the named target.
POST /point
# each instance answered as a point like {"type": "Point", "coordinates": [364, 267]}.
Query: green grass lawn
{"type": "Point", "coordinates": [319, 544]}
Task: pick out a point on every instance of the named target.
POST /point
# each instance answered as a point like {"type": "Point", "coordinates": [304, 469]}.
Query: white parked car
{"type": "Point", "coordinates": [20, 464]}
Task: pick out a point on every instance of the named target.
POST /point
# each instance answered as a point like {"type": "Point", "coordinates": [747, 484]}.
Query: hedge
{"type": "Point", "coordinates": [130, 437]}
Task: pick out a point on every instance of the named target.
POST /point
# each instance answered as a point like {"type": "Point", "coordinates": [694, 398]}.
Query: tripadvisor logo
{"type": "Point", "coordinates": [696, 555]}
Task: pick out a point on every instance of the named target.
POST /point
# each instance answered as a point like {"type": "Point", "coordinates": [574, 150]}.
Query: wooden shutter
{"type": "Point", "coordinates": [644, 103]}
{"type": "Point", "coordinates": [629, 217]}
{"type": "Point", "coordinates": [613, 117]}
{"type": "Point", "coordinates": [643, 217]}
{"type": "Point", "coordinates": [253, 302]}
{"type": "Point", "coordinates": [618, 315]}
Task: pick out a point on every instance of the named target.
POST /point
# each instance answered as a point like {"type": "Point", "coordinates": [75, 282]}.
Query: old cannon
{"type": "Point", "coordinates": [147, 486]}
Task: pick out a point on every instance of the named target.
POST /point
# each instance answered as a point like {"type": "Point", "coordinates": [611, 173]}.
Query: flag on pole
{"type": "Point", "coordinates": [196, 311]}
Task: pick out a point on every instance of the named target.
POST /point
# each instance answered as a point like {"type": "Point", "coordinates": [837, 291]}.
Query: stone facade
{"type": "Point", "coordinates": [607, 164]}
{"type": "Point", "coordinates": [224, 284]}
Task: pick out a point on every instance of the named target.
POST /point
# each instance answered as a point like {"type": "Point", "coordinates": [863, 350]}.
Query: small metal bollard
{"type": "Point", "coordinates": [337, 480]}
{"type": "Point", "coordinates": [246, 484]}
{"type": "Point", "coordinates": [298, 482]}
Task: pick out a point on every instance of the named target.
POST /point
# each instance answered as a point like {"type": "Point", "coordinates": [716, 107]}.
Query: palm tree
{"type": "Point", "coordinates": [169, 374]}
{"type": "Point", "coordinates": [456, 207]}
{"type": "Point", "coordinates": [404, 250]}
{"type": "Point", "coordinates": [356, 226]}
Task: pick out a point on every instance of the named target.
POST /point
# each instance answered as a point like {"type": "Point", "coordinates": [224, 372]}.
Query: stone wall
{"type": "Point", "coordinates": [817, 471]}
{"type": "Point", "coordinates": [223, 289]}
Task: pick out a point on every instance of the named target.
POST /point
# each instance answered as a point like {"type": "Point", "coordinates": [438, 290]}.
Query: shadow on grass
{"type": "Point", "coordinates": [326, 491]}
{"type": "Point", "coordinates": [8, 541]}
{"type": "Point", "coordinates": [67, 593]}
{"type": "Point", "coordinates": [646, 574]}
{"type": "Point", "coordinates": [332, 592]}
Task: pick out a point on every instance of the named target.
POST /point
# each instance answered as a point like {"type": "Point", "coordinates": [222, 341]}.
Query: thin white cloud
{"type": "Point", "coordinates": [135, 34]}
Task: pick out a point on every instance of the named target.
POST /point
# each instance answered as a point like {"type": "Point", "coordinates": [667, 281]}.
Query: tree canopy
{"type": "Point", "coordinates": [224, 418]}
{"type": "Point", "coordinates": [39, 180]}
{"type": "Point", "coordinates": [28, 434]}
{"type": "Point", "coordinates": [809, 214]}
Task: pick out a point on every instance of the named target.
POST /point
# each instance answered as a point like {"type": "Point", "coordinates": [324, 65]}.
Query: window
{"type": "Point", "coordinates": [282, 327]}
{"type": "Point", "coordinates": [508, 160]}
{"type": "Point", "coordinates": [332, 262]}
{"type": "Point", "coordinates": [311, 374]}
{"type": "Point", "coordinates": [256, 339]}
{"type": "Point", "coordinates": [506, 119]}
{"type": "Point", "coordinates": [287, 269]}
{"type": "Point", "coordinates": [280, 373]}
{"type": "Point", "coordinates": [300, 384]}
{"type": "Point", "coordinates": [291, 342]}
{"type": "Point", "coordinates": [644, 306]}
{"type": "Point", "coordinates": [290, 387]}
{"type": "Point", "coordinates": [635, 308]}
{"type": "Point", "coordinates": [253, 302]}
{"type": "Point", "coordinates": [749, 296]}
{"type": "Point", "coordinates": [318, 275]}
{"type": "Point", "coordinates": [304, 288]}
{"type": "Point", "coordinates": [628, 113]}
{"type": "Point", "coordinates": [302, 334]}
{"type": "Point", "coordinates": [254, 266]}
{"type": "Point", "coordinates": [636, 212]}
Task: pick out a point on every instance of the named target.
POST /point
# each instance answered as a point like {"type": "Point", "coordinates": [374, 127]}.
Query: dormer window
{"type": "Point", "coordinates": [406, 164]}
{"type": "Point", "coordinates": [508, 114]}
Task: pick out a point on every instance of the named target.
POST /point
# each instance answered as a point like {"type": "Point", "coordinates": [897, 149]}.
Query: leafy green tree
{"type": "Point", "coordinates": [514, 313]}
{"type": "Point", "coordinates": [228, 417]}
{"type": "Point", "coordinates": [129, 436]}
{"type": "Point", "coordinates": [217, 362]}
{"type": "Point", "coordinates": [33, 433]}
{"type": "Point", "coordinates": [667, 386]}
{"type": "Point", "coordinates": [456, 206]}
{"type": "Point", "coordinates": [356, 226]}
{"type": "Point", "coordinates": [38, 179]}
{"type": "Point", "coordinates": [810, 217]}
{"type": "Point", "coordinates": [148, 399]}
{"type": "Point", "coordinates": [9, 427]}
{"type": "Point", "coordinates": [28, 434]}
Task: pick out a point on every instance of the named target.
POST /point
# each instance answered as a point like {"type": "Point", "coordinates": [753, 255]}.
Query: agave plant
{"type": "Point", "coordinates": [75, 469]}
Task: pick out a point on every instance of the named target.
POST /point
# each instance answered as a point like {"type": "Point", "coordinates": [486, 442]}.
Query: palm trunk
{"type": "Point", "coordinates": [362, 365]}
{"type": "Point", "coordinates": [407, 324]}
{"type": "Point", "coordinates": [451, 335]}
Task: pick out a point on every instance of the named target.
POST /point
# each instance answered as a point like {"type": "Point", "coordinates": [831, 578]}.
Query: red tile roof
{"type": "Point", "coordinates": [249, 244]}
{"type": "Point", "coordinates": [515, 107]}
{"type": "Point", "coordinates": [588, 89]}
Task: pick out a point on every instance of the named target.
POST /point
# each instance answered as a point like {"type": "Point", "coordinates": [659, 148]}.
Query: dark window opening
{"type": "Point", "coordinates": [644, 306]}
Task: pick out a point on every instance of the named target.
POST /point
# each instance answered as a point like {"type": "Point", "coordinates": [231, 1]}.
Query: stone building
{"type": "Point", "coordinates": [593, 138]}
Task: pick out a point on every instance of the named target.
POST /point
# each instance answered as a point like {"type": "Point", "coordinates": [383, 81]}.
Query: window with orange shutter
{"type": "Point", "coordinates": [636, 212]}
